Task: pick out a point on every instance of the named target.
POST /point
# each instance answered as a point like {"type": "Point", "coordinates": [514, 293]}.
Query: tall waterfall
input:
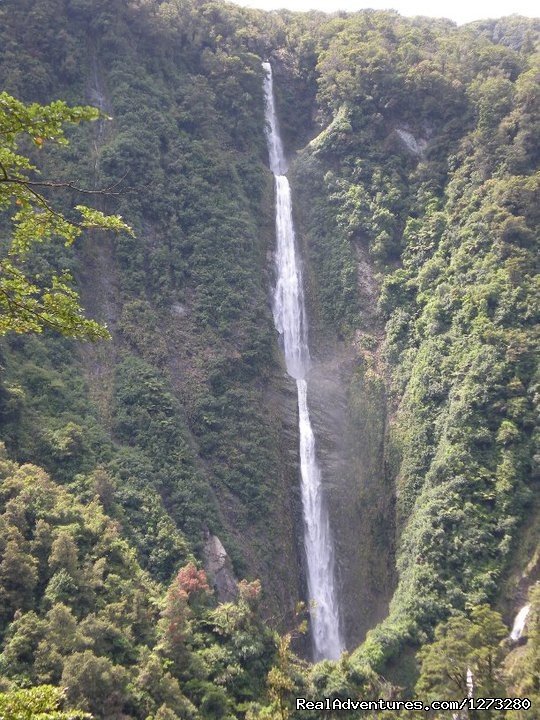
{"type": "Point", "coordinates": [290, 319]}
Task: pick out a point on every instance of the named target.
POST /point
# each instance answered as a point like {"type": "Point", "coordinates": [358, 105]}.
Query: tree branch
{"type": "Point", "coordinates": [21, 306]}
{"type": "Point", "coordinates": [68, 184]}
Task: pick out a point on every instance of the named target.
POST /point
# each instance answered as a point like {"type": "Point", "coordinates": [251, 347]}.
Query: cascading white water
{"type": "Point", "coordinates": [290, 320]}
{"type": "Point", "coordinates": [470, 682]}
{"type": "Point", "coordinates": [519, 623]}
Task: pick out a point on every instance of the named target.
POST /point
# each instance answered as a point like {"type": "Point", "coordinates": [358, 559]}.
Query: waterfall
{"type": "Point", "coordinates": [470, 683]}
{"type": "Point", "coordinates": [291, 323]}
{"type": "Point", "coordinates": [519, 623]}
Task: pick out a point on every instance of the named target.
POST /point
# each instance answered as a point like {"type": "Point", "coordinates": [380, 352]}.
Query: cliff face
{"type": "Point", "coordinates": [348, 404]}
{"type": "Point", "coordinates": [348, 408]}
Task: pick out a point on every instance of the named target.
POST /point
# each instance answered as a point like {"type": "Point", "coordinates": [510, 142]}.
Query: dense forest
{"type": "Point", "coordinates": [151, 556]}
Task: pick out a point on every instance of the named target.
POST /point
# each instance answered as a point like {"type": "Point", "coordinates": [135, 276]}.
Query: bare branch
{"type": "Point", "coordinates": [68, 184]}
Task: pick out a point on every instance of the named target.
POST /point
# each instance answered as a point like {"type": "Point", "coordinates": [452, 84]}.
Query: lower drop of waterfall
{"type": "Point", "coordinates": [317, 540]}
{"type": "Point", "coordinates": [291, 323]}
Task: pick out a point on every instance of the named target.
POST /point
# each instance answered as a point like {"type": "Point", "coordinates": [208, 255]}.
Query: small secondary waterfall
{"type": "Point", "coordinates": [290, 319]}
{"type": "Point", "coordinates": [519, 623]}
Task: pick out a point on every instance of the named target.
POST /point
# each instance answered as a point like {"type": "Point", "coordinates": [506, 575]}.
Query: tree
{"type": "Point", "coordinates": [95, 683]}
{"type": "Point", "coordinates": [32, 302]}
{"type": "Point", "coordinates": [187, 585]}
{"type": "Point", "coordinates": [192, 581]}
{"type": "Point", "coordinates": [18, 578]}
{"type": "Point", "coordinates": [19, 647]}
{"type": "Point", "coordinates": [64, 553]}
{"type": "Point", "coordinates": [187, 591]}
{"type": "Point", "coordinates": [464, 650]}
{"type": "Point", "coordinates": [280, 682]}
{"type": "Point", "coordinates": [487, 632]}
{"type": "Point", "coordinates": [37, 703]}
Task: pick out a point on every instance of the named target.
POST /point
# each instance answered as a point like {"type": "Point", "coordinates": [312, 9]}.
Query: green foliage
{"type": "Point", "coordinates": [83, 615]}
{"type": "Point", "coordinates": [147, 416]}
{"type": "Point", "coordinates": [31, 303]}
{"type": "Point", "coordinates": [38, 703]}
{"type": "Point", "coordinates": [188, 294]}
{"type": "Point", "coordinates": [464, 648]}
{"type": "Point", "coordinates": [419, 185]}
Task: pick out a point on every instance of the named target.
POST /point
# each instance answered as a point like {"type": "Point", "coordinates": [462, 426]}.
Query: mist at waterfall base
{"type": "Point", "coordinates": [291, 322]}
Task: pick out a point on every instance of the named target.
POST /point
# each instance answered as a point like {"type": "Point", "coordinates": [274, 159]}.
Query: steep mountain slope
{"type": "Point", "coordinates": [425, 185]}
{"type": "Point", "coordinates": [189, 401]}
{"type": "Point", "coordinates": [414, 170]}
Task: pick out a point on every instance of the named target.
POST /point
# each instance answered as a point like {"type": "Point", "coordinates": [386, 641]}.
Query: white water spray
{"type": "Point", "coordinates": [519, 623]}
{"type": "Point", "coordinates": [290, 320]}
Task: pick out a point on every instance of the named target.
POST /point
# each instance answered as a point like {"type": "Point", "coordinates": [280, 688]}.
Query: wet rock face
{"type": "Point", "coordinates": [349, 411]}
{"type": "Point", "coordinates": [219, 569]}
{"type": "Point", "coordinates": [349, 417]}
{"type": "Point", "coordinates": [415, 145]}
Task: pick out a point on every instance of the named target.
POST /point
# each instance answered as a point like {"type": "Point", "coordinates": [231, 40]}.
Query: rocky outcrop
{"type": "Point", "coordinates": [219, 569]}
{"type": "Point", "coordinates": [415, 145]}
